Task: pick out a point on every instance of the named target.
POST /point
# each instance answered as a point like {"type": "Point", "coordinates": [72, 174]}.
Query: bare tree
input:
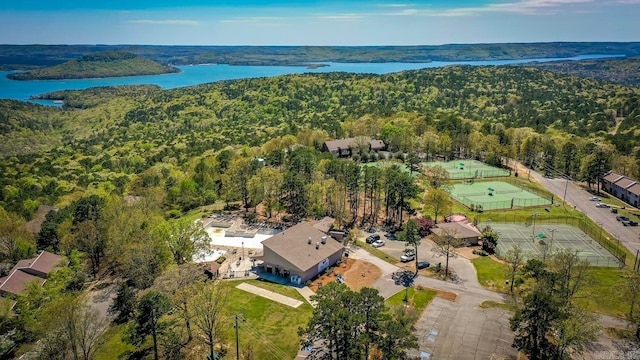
{"type": "Point", "coordinates": [515, 261]}
{"type": "Point", "coordinates": [174, 284]}
{"type": "Point", "coordinates": [73, 326]}
{"type": "Point", "coordinates": [572, 270]}
{"type": "Point", "coordinates": [447, 244]}
{"type": "Point", "coordinates": [207, 311]}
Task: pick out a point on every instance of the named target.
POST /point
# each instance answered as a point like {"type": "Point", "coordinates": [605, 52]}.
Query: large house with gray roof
{"type": "Point", "coordinates": [622, 187]}
{"type": "Point", "coordinates": [345, 147]}
{"type": "Point", "coordinates": [300, 253]}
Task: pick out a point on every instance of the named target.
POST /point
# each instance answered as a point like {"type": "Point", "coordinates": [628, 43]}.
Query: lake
{"type": "Point", "coordinates": [200, 74]}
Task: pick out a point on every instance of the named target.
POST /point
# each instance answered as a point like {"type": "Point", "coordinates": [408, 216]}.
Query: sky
{"type": "Point", "coordinates": [332, 22]}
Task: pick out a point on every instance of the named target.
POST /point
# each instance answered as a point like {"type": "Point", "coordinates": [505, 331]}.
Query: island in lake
{"type": "Point", "coordinates": [98, 65]}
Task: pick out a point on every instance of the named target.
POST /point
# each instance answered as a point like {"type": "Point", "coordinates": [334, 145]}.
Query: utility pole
{"type": "Point", "coordinates": [236, 316]}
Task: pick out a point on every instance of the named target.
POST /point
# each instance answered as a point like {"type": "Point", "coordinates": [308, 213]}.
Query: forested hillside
{"type": "Point", "coordinates": [106, 135]}
{"type": "Point", "coordinates": [98, 65]}
{"type": "Point", "coordinates": [622, 71]}
{"type": "Point", "coordinates": [29, 56]}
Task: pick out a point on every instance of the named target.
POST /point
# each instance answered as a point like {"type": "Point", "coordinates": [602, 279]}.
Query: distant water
{"type": "Point", "coordinates": [200, 74]}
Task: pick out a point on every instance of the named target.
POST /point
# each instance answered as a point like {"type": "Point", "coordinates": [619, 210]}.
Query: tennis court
{"type": "Point", "coordinates": [543, 240]}
{"type": "Point", "coordinates": [468, 169]}
{"type": "Point", "coordinates": [492, 195]}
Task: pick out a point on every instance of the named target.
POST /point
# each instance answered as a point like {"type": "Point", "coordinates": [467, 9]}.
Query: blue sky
{"type": "Point", "coordinates": [333, 22]}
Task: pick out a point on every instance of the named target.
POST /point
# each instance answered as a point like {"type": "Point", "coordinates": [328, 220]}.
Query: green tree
{"type": "Point", "coordinates": [437, 201]}
{"type": "Point", "coordinates": [515, 260]}
{"type": "Point", "coordinates": [411, 237]}
{"type": "Point", "coordinates": [148, 321]}
{"type": "Point", "coordinates": [186, 239]}
{"type": "Point", "coordinates": [124, 304]}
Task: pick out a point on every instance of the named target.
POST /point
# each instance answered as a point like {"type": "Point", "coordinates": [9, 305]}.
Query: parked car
{"type": "Point", "coordinates": [595, 198]}
{"type": "Point", "coordinates": [408, 256]}
{"type": "Point", "coordinates": [423, 264]}
{"type": "Point", "coordinates": [630, 223]}
{"type": "Point", "coordinates": [391, 236]}
{"type": "Point", "coordinates": [378, 243]}
{"type": "Point", "coordinates": [614, 210]}
{"type": "Point", "coordinates": [602, 205]}
{"type": "Point", "coordinates": [372, 238]}
{"type": "Point", "coordinates": [622, 218]}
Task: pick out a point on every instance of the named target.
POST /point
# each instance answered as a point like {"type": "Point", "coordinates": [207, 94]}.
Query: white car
{"type": "Point", "coordinates": [378, 243]}
{"type": "Point", "coordinates": [595, 198]}
{"type": "Point", "coordinates": [408, 256]}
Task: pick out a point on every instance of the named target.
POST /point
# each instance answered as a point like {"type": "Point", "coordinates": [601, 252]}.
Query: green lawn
{"type": "Point", "coordinates": [419, 298]}
{"type": "Point", "coordinates": [605, 295]}
{"type": "Point", "coordinates": [270, 327]}
{"type": "Point", "coordinates": [114, 345]}
{"type": "Point", "coordinates": [491, 274]}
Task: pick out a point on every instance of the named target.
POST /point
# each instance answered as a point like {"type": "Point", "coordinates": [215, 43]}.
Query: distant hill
{"type": "Point", "coordinates": [98, 65]}
{"type": "Point", "coordinates": [622, 71]}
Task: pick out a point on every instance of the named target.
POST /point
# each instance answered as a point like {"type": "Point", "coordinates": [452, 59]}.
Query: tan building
{"type": "Point", "coordinates": [466, 233]}
{"type": "Point", "coordinates": [300, 253]}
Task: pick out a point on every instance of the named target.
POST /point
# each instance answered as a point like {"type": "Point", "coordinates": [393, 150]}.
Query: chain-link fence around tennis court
{"type": "Point", "coordinates": [469, 169]}
{"type": "Point", "coordinates": [581, 231]}
{"type": "Point", "coordinates": [493, 195]}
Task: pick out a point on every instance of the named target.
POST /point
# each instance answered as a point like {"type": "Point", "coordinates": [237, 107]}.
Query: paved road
{"type": "Point", "coordinates": [450, 329]}
{"type": "Point", "coordinates": [575, 195]}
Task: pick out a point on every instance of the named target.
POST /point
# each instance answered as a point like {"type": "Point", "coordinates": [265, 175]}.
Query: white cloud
{"type": "Point", "coordinates": [252, 19]}
{"type": "Point", "coordinates": [393, 5]}
{"type": "Point", "coordinates": [165, 22]}
{"type": "Point", "coordinates": [524, 7]}
{"type": "Point", "coordinates": [341, 17]}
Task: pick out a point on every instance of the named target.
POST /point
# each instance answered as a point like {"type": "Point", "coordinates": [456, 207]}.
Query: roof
{"type": "Point", "coordinates": [17, 280]}
{"type": "Point", "coordinates": [377, 144]}
{"type": "Point", "coordinates": [45, 262]}
{"type": "Point", "coordinates": [35, 224]}
{"type": "Point", "coordinates": [625, 182]}
{"type": "Point", "coordinates": [334, 145]}
{"type": "Point", "coordinates": [634, 189]}
{"type": "Point", "coordinates": [457, 229]}
{"type": "Point", "coordinates": [293, 246]}
{"type": "Point", "coordinates": [612, 177]}
{"type": "Point", "coordinates": [324, 224]}
{"type": "Point", "coordinates": [28, 270]}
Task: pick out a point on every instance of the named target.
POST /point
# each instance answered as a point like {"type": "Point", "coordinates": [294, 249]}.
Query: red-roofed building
{"type": "Point", "coordinates": [29, 270]}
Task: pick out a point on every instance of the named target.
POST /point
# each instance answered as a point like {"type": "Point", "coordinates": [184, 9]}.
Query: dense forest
{"type": "Point", "coordinates": [97, 65]}
{"type": "Point", "coordinates": [125, 164]}
{"type": "Point", "coordinates": [14, 57]}
{"type": "Point", "coordinates": [622, 71]}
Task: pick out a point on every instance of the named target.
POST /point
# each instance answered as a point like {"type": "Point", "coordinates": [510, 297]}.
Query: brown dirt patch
{"type": "Point", "coordinates": [467, 252]}
{"type": "Point", "coordinates": [356, 273]}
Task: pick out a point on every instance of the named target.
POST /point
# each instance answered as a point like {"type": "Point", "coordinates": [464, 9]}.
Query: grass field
{"type": "Point", "coordinates": [418, 298]}
{"type": "Point", "coordinates": [598, 296]}
{"type": "Point", "coordinates": [491, 274]}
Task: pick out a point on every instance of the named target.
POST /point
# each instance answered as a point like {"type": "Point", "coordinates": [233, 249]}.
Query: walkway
{"type": "Point", "coordinates": [269, 295]}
